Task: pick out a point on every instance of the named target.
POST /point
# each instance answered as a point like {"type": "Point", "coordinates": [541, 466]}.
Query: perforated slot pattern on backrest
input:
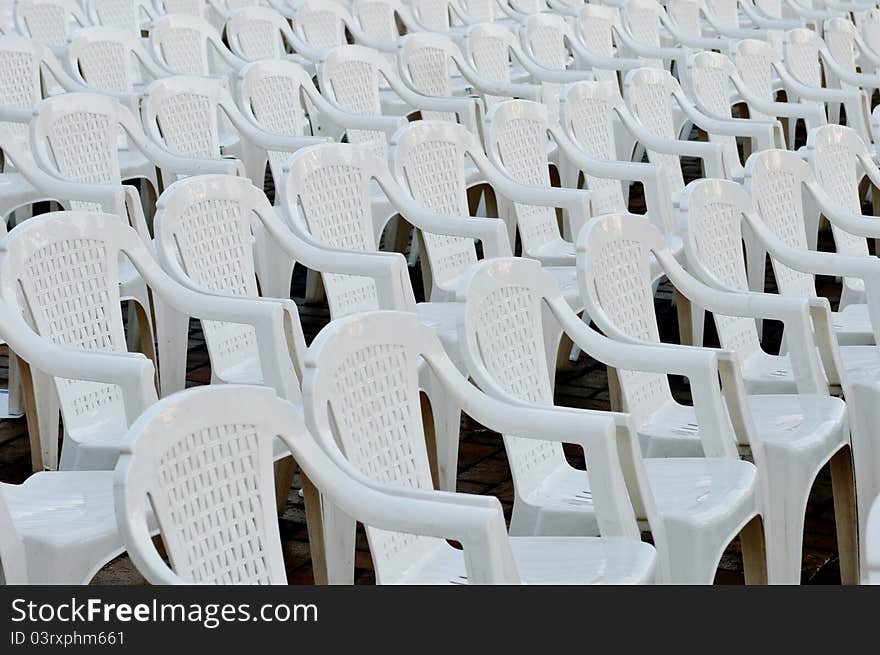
{"type": "Point", "coordinates": [777, 196]}
{"type": "Point", "coordinates": [211, 501]}
{"type": "Point", "coordinates": [623, 285]}
{"type": "Point", "coordinates": [712, 85]}
{"type": "Point", "coordinates": [84, 145]}
{"type": "Point", "coordinates": [429, 72]}
{"type": "Point", "coordinates": [597, 35]}
{"type": "Point", "coordinates": [754, 69]}
{"type": "Point", "coordinates": [590, 120]}
{"type": "Point", "coordinates": [71, 292]}
{"type": "Point", "coordinates": [19, 87]}
{"type": "Point", "coordinates": [321, 29]}
{"type": "Point", "coordinates": [491, 58]}
{"type": "Point", "coordinates": [508, 331]}
{"type": "Point", "coordinates": [376, 409]}
{"type": "Point", "coordinates": [842, 47]}
{"type": "Point", "coordinates": [717, 238]}
{"type": "Point", "coordinates": [802, 61]}
{"type": "Point", "coordinates": [686, 16]}
{"type": "Point", "coordinates": [216, 248]}
{"type": "Point", "coordinates": [47, 23]}
{"type": "Point", "coordinates": [644, 26]}
{"type": "Point", "coordinates": [548, 46]}
{"type": "Point", "coordinates": [522, 144]}
{"type": "Point", "coordinates": [652, 105]}
{"type": "Point", "coordinates": [435, 173]}
{"type": "Point", "coordinates": [433, 14]}
{"type": "Point", "coordinates": [356, 89]}
{"type": "Point", "coordinates": [377, 20]}
{"type": "Point", "coordinates": [107, 65]}
{"type": "Point", "coordinates": [836, 172]}
{"type": "Point", "coordinates": [185, 51]}
{"type": "Point", "coordinates": [121, 14]}
{"type": "Point", "coordinates": [277, 106]}
{"type": "Point", "coordinates": [189, 125]}
{"type": "Point", "coordinates": [259, 39]}
{"type": "Point", "coordinates": [336, 206]}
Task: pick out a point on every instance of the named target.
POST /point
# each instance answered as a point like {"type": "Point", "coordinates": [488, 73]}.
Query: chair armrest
{"type": "Point", "coordinates": [575, 201]}
{"type": "Point", "coordinates": [764, 132]}
{"type": "Point", "coordinates": [794, 313]}
{"type": "Point", "coordinates": [595, 432]}
{"type": "Point", "coordinates": [839, 216]}
{"type": "Point", "coordinates": [133, 373]}
{"type": "Point", "coordinates": [709, 153]}
{"type": "Point", "coordinates": [387, 269]}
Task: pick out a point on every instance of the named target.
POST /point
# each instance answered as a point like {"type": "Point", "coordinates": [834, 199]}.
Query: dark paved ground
{"type": "Point", "coordinates": [483, 466]}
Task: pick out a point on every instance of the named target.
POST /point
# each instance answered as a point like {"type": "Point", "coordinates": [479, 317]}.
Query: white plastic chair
{"type": "Point", "coordinates": [186, 115]}
{"type": "Point", "coordinates": [321, 26]}
{"type": "Point", "coordinates": [279, 97]}
{"type": "Point", "coordinates": [363, 371]}
{"type": "Point", "coordinates": [126, 15]}
{"type": "Point", "coordinates": [783, 188]}
{"type": "Point", "coordinates": [717, 212]}
{"type": "Point", "coordinates": [693, 505]}
{"type": "Point", "coordinates": [326, 199]}
{"type": "Point", "coordinates": [642, 28]}
{"type": "Point", "coordinates": [716, 86]}
{"type": "Point", "coordinates": [806, 58]}
{"type": "Point", "coordinates": [49, 22]}
{"type": "Point", "coordinates": [218, 234]}
{"type": "Point", "coordinates": [651, 96]}
{"type": "Point", "coordinates": [493, 52]}
{"type": "Point", "coordinates": [552, 54]}
{"type": "Point", "coordinates": [597, 28]}
{"type": "Point", "coordinates": [427, 62]}
{"type": "Point", "coordinates": [256, 33]}
{"type": "Point", "coordinates": [758, 64]}
{"type": "Point", "coordinates": [60, 269]}
{"type": "Point", "coordinates": [378, 19]}
{"type": "Point", "coordinates": [588, 118]}
{"type": "Point", "coordinates": [854, 65]}
{"type": "Point", "coordinates": [113, 62]}
{"type": "Point", "coordinates": [202, 461]}
{"type": "Point", "coordinates": [516, 133]}
{"type": "Point", "coordinates": [840, 161]}
{"type": "Point", "coordinates": [60, 527]}
{"type": "Point", "coordinates": [613, 260]}
{"type": "Point", "coordinates": [685, 20]}
{"type": "Point", "coordinates": [188, 45]}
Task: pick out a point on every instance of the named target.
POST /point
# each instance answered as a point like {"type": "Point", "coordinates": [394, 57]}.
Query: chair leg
{"type": "Point", "coordinates": [754, 552]}
{"type": "Point", "coordinates": [31, 415]}
{"type": "Point", "coordinates": [172, 334]}
{"type": "Point", "coordinates": [331, 538]}
{"type": "Point", "coordinates": [442, 425]}
{"type": "Point", "coordinates": [784, 505]}
{"type": "Point", "coordinates": [690, 321]}
{"type": "Point", "coordinates": [845, 515]}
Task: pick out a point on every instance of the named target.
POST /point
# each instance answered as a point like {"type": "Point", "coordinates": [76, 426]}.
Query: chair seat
{"type": "Point", "coordinates": [693, 490]}
{"type": "Point", "coordinates": [853, 326]}
{"type": "Point", "coordinates": [796, 422]}
{"type": "Point", "coordinates": [550, 560]}
{"type": "Point", "coordinates": [67, 520]}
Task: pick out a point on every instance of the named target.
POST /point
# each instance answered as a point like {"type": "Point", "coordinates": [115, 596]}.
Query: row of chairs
{"type": "Point", "coordinates": [499, 321]}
